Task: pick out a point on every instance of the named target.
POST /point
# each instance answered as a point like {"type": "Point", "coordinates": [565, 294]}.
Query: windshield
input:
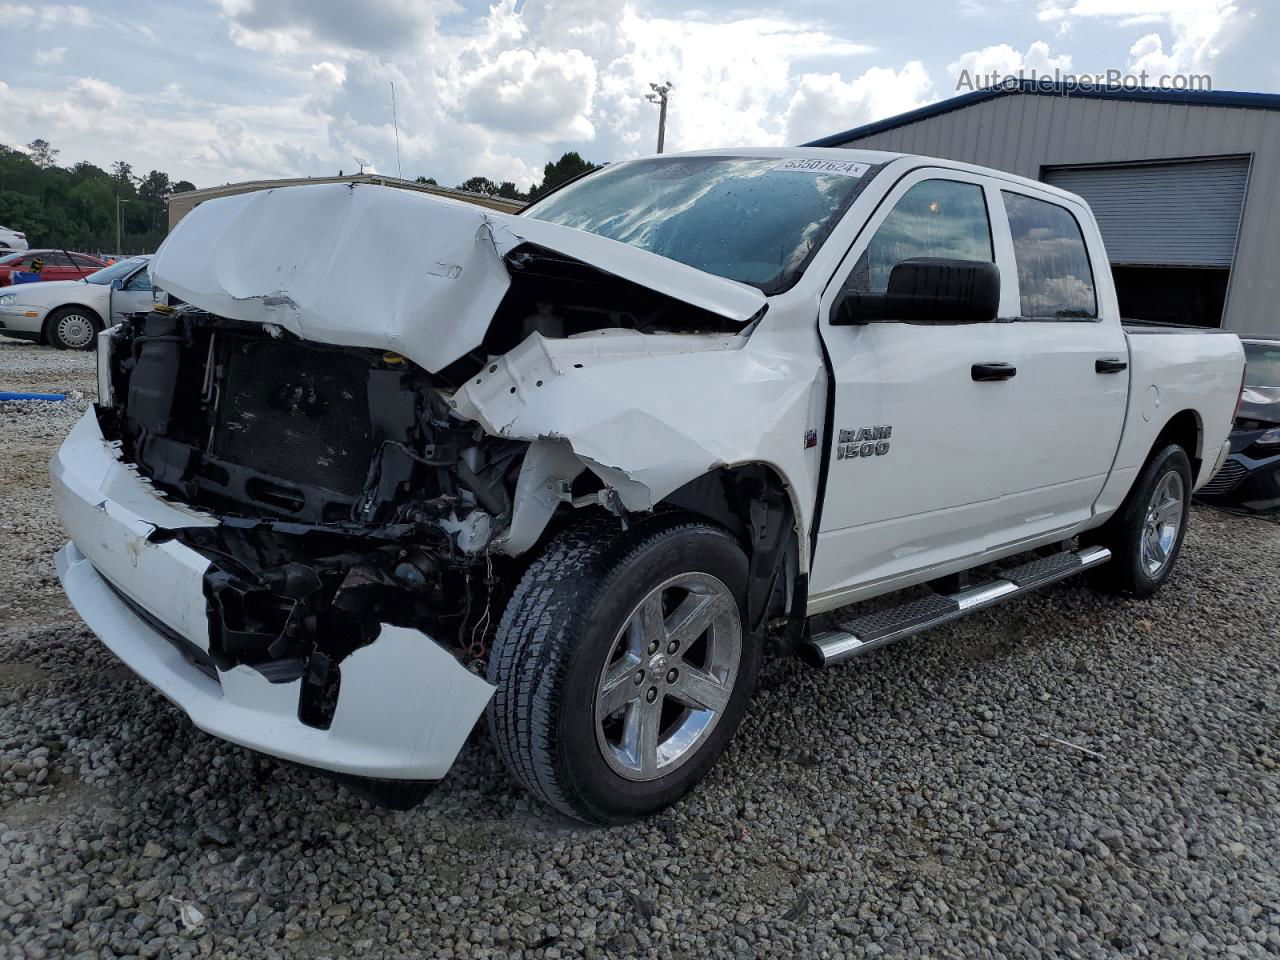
{"type": "Point", "coordinates": [9, 258]}
{"type": "Point", "coordinates": [1262, 364]}
{"type": "Point", "coordinates": [120, 269]}
{"type": "Point", "coordinates": [753, 219]}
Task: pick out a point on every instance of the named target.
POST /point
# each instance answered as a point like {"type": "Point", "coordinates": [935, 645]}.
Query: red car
{"type": "Point", "coordinates": [58, 264]}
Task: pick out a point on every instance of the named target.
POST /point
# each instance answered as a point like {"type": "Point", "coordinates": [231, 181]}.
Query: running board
{"type": "Point", "coordinates": [861, 634]}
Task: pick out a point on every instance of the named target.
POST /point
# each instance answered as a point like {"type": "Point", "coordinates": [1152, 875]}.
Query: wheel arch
{"type": "Point", "coordinates": [1186, 429]}
{"type": "Point", "coordinates": [754, 501]}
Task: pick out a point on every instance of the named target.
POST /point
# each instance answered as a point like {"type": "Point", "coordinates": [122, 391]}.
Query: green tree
{"type": "Point", "coordinates": [479, 185]}
{"type": "Point", "coordinates": [430, 181]}
{"type": "Point", "coordinates": [42, 154]}
{"type": "Point", "coordinates": [75, 209]}
{"type": "Point", "coordinates": [509, 190]}
{"type": "Point", "coordinates": [569, 165]}
{"type": "Point", "coordinates": [122, 173]}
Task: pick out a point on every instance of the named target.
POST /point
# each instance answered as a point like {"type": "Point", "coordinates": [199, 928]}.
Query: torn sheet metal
{"type": "Point", "coordinates": [373, 266]}
{"type": "Point", "coordinates": [596, 394]}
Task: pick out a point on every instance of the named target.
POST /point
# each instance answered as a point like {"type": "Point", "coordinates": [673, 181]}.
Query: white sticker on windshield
{"type": "Point", "coordinates": [838, 168]}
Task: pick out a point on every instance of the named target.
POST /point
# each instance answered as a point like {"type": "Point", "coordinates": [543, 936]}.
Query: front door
{"type": "Point", "coordinates": [133, 296]}
{"type": "Point", "coordinates": [921, 444]}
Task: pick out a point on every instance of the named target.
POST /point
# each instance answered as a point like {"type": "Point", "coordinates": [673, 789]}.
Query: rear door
{"type": "Point", "coordinates": [1072, 388]}
{"type": "Point", "coordinates": [932, 443]}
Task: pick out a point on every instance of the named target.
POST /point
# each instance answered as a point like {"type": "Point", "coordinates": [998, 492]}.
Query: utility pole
{"type": "Point", "coordinates": [119, 252]}
{"type": "Point", "coordinates": [396, 122]}
{"type": "Point", "coordinates": [659, 96]}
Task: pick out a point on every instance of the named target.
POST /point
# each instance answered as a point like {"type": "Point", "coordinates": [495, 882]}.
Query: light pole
{"type": "Point", "coordinates": [118, 202]}
{"type": "Point", "coordinates": [659, 96]}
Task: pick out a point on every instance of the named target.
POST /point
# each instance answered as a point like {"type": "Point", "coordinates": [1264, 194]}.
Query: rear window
{"type": "Point", "coordinates": [1262, 364]}
{"type": "Point", "coordinates": [1054, 276]}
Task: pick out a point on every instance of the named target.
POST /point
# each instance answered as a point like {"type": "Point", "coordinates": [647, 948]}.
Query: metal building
{"type": "Point", "coordinates": [180, 204]}
{"type": "Point", "coordinates": [1184, 184]}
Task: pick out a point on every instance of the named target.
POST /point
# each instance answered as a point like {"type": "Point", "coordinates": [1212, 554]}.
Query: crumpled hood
{"type": "Point", "coordinates": [373, 266]}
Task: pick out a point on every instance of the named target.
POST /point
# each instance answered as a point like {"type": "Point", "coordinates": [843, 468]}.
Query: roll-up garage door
{"type": "Point", "coordinates": [1170, 214]}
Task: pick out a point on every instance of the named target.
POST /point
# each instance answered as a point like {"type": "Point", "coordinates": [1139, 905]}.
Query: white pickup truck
{"type": "Point", "coordinates": [586, 467]}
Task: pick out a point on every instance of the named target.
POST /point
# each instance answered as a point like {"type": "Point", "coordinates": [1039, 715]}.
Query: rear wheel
{"type": "Point", "coordinates": [622, 666]}
{"type": "Point", "coordinates": [1145, 536]}
{"type": "Point", "coordinates": [72, 328]}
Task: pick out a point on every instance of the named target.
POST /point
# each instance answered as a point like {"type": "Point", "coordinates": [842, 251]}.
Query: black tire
{"type": "Point", "coordinates": [559, 632]}
{"type": "Point", "coordinates": [54, 324]}
{"type": "Point", "coordinates": [1127, 572]}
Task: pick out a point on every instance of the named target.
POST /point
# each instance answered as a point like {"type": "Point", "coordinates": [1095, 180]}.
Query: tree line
{"type": "Point", "coordinates": [76, 207]}
{"type": "Point", "coordinates": [560, 171]}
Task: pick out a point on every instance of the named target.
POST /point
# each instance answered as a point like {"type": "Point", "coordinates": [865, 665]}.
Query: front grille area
{"type": "Point", "coordinates": [296, 413]}
{"type": "Point", "coordinates": [1226, 479]}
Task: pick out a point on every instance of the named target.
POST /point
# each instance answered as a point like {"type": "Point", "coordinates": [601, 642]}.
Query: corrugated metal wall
{"type": "Point", "coordinates": [1183, 214]}
{"type": "Point", "coordinates": [1025, 133]}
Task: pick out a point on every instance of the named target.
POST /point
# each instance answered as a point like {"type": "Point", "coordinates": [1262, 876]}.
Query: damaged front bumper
{"type": "Point", "coordinates": [405, 705]}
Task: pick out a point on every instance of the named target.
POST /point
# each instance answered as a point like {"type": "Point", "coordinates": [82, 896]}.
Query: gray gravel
{"type": "Point", "coordinates": [1071, 775]}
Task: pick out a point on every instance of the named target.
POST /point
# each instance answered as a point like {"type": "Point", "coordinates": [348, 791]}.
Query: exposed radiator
{"type": "Point", "coordinates": [296, 413]}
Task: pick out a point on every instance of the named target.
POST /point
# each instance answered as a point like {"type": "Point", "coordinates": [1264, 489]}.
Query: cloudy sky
{"type": "Point", "coordinates": [221, 90]}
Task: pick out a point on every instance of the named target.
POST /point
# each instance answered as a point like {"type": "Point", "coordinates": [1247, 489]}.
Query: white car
{"type": "Point", "coordinates": [584, 468]}
{"type": "Point", "coordinates": [71, 313]}
{"type": "Point", "coordinates": [12, 239]}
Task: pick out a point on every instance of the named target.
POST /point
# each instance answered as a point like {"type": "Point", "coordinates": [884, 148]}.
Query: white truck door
{"type": "Point", "coordinates": [1072, 386]}
{"type": "Point", "coordinates": [929, 494]}
{"type": "Point", "coordinates": [134, 295]}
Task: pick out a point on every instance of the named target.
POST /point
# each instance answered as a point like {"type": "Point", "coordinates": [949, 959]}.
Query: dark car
{"type": "Point", "coordinates": [1251, 474]}
{"type": "Point", "coordinates": [58, 264]}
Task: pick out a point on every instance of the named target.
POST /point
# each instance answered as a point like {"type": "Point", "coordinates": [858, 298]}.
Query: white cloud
{"type": "Point", "coordinates": [824, 103]}
{"type": "Point", "coordinates": [290, 26]}
{"type": "Point", "coordinates": [545, 94]}
{"type": "Point", "coordinates": [1003, 60]}
{"type": "Point", "coordinates": [1198, 29]}
{"type": "Point", "coordinates": [489, 99]}
{"type": "Point", "coordinates": [45, 58]}
{"type": "Point", "coordinates": [43, 17]}
{"type": "Point", "coordinates": [198, 140]}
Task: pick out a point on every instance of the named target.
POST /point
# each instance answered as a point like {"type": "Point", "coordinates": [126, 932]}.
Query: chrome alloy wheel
{"type": "Point", "coordinates": [1163, 521]}
{"type": "Point", "coordinates": [669, 676]}
{"type": "Point", "coordinates": [75, 330]}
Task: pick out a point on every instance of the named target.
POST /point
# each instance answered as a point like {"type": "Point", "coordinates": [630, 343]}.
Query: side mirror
{"type": "Point", "coordinates": [117, 284]}
{"type": "Point", "coordinates": [927, 291]}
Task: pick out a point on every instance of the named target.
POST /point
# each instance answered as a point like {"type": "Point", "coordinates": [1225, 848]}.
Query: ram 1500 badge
{"type": "Point", "coordinates": [581, 469]}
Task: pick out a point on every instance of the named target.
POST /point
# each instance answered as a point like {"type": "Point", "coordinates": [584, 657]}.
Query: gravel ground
{"type": "Point", "coordinates": [1069, 775]}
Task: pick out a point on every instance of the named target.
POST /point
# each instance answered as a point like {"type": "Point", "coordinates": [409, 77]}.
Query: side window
{"type": "Point", "coordinates": [139, 281]}
{"type": "Point", "coordinates": [1054, 276]}
{"type": "Point", "coordinates": [935, 218]}
{"type": "Point", "coordinates": [56, 258]}
{"type": "Point", "coordinates": [84, 263]}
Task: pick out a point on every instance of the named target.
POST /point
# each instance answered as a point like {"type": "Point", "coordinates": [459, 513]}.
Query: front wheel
{"type": "Point", "coordinates": [1145, 536]}
{"type": "Point", "coordinates": [72, 328]}
{"type": "Point", "coordinates": [622, 667]}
